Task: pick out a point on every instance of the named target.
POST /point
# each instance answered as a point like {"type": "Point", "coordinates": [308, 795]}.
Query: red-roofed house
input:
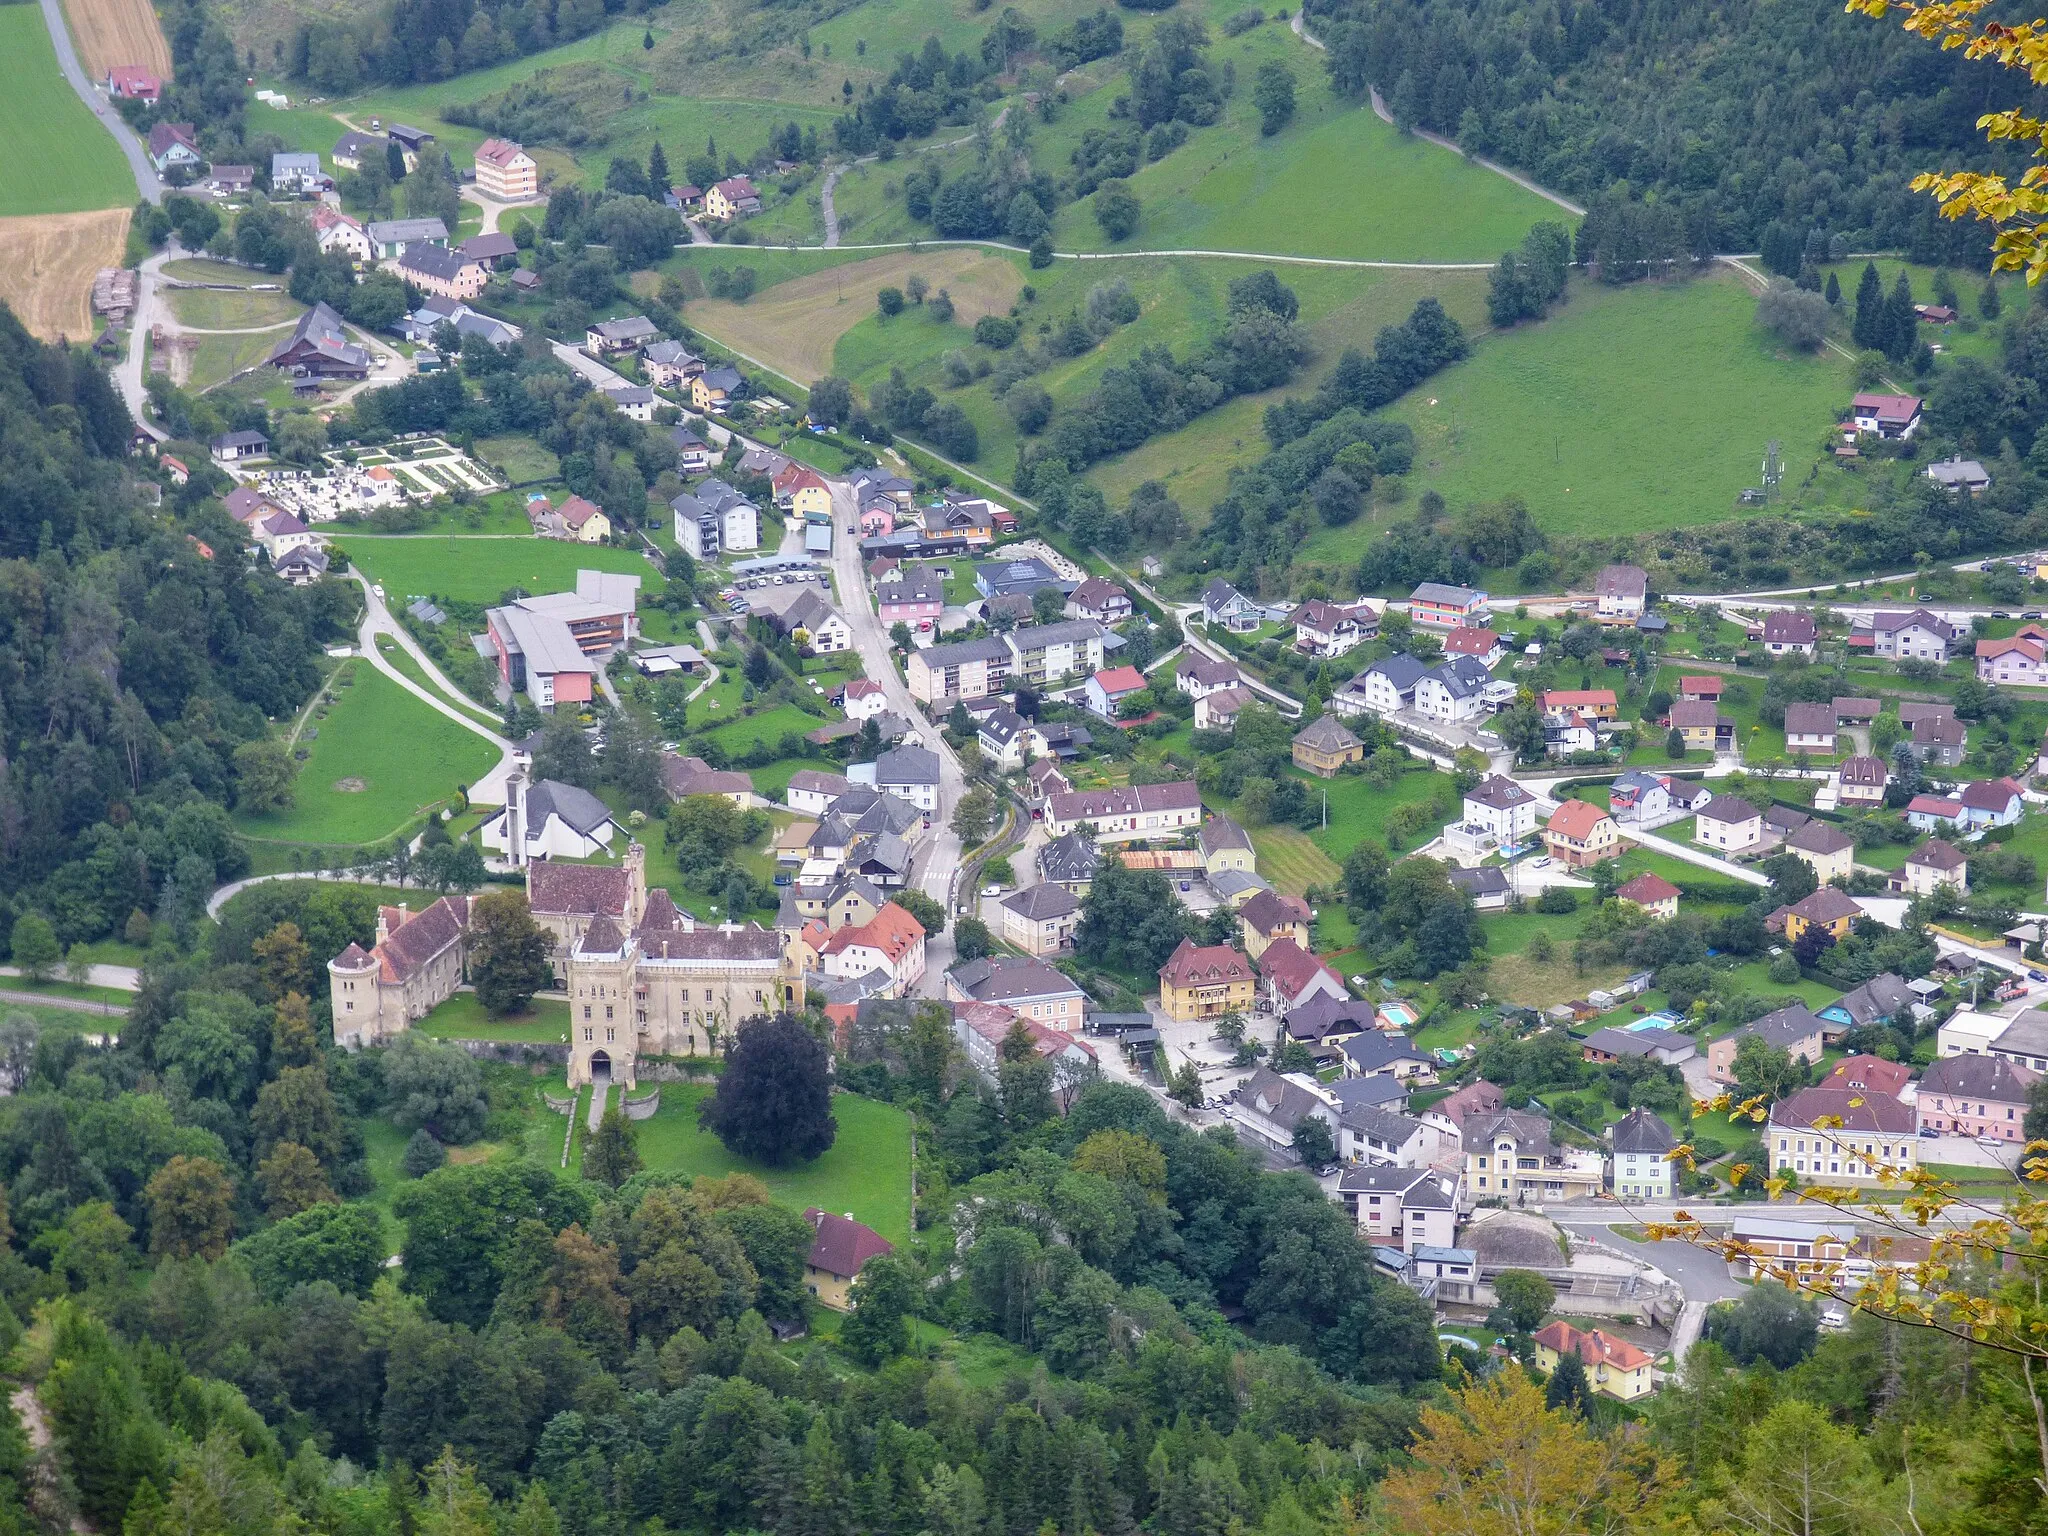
{"type": "Point", "coordinates": [2022, 662]}
{"type": "Point", "coordinates": [1580, 833]}
{"type": "Point", "coordinates": [801, 489]}
{"type": "Point", "coordinates": [1293, 976]}
{"type": "Point", "coordinates": [864, 698]}
{"type": "Point", "coordinates": [585, 520]}
{"type": "Point", "coordinates": [134, 82]}
{"type": "Point", "coordinates": [1613, 1366]}
{"type": "Point", "coordinates": [892, 941]}
{"type": "Point", "coordinates": [1595, 703]}
{"type": "Point", "coordinates": [1895, 416]}
{"type": "Point", "coordinates": [1107, 690]}
{"type": "Point", "coordinates": [1702, 689]}
{"type": "Point", "coordinates": [839, 1251]}
{"type": "Point", "coordinates": [1481, 644]}
{"type": "Point", "coordinates": [1653, 893]}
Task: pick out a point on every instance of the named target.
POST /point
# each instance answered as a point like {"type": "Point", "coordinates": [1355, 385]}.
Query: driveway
{"type": "Point", "coordinates": [147, 182]}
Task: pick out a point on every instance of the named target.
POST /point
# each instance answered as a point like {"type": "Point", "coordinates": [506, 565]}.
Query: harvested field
{"type": "Point", "coordinates": [794, 327]}
{"type": "Point", "coordinates": [47, 263]}
{"type": "Point", "coordinates": [110, 32]}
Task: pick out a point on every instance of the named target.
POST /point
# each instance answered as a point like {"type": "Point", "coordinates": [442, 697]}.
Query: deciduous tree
{"type": "Point", "coordinates": [508, 952]}
{"type": "Point", "coordinates": [191, 1204]}
{"type": "Point", "coordinates": [774, 1099]}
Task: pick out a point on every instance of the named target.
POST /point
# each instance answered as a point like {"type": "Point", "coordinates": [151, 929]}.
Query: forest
{"type": "Point", "coordinates": [1732, 117]}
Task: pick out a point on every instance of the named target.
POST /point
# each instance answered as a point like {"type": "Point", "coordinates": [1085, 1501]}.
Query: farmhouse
{"type": "Point", "coordinates": [1890, 416]}
{"type": "Point", "coordinates": [733, 198]}
{"type": "Point", "coordinates": [317, 347]}
{"type": "Point", "coordinates": [1619, 593]}
{"type": "Point", "coordinates": [839, 1251]}
{"type": "Point", "coordinates": [390, 237]}
{"type": "Point", "coordinates": [505, 171]}
{"type": "Point", "coordinates": [437, 270]}
{"type": "Point", "coordinates": [1788, 632]}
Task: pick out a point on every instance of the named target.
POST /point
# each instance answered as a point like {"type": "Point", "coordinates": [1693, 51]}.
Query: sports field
{"type": "Point", "coordinates": [480, 570]}
{"type": "Point", "coordinates": [382, 759]}
{"type": "Point", "coordinates": [111, 32]}
{"type": "Point", "coordinates": [59, 158]}
{"type": "Point", "coordinates": [47, 263]}
{"type": "Point", "coordinates": [1631, 408]}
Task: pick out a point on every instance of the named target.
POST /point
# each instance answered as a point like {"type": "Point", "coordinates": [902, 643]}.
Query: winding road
{"type": "Point", "coordinates": [147, 182]}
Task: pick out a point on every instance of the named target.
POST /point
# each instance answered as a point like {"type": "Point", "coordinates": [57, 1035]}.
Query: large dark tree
{"type": "Point", "coordinates": [508, 954]}
{"type": "Point", "coordinates": [774, 1099]}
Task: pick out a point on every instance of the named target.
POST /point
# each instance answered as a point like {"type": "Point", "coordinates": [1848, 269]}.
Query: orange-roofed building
{"type": "Point", "coordinates": [1580, 833]}
{"type": "Point", "coordinates": [1597, 703]}
{"type": "Point", "coordinates": [1653, 893]}
{"type": "Point", "coordinates": [892, 941]}
{"type": "Point", "coordinates": [1613, 1366]}
{"type": "Point", "coordinates": [505, 171]}
{"type": "Point", "coordinates": [801, 489]}
{"type": "Point", "coordinates": [1703, 689]}
{"type": "Point", "coordinates": [1107, 689]}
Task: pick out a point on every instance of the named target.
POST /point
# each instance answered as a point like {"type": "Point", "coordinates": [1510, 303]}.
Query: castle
{"type": "Point", "coordinates": [641, 976]}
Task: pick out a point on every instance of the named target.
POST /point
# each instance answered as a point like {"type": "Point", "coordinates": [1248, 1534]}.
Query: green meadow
{"type": "Point", "coordinates": [59, 158]}
{"type": "Point", "coordinates": [481, 570]}
{"type": "Point", "coordinates": [382, 760]}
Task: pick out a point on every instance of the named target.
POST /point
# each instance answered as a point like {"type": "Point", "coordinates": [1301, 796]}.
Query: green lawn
{"type": "Point", "coordinates": [522, 460]}
{"type": "Point", "coordinates": [198, 269]}
{"type": "Point", "coordinates": [1357, 810]}
{"type": "Point", "coordinates": [769, 725]}
{"type": "Point", "coordinates": [209, 309]}
{"type": "Point", "coordinates": [1590, 414]}
{"type": "Point", "coordinates": [407, 758]}
{"type": "Point", "coordinates": [866, 1171]}
{"type": "Point", "coordinates": [462, 1017]}
{"type": "Point", "coordinates": [1335, 182]}
{"type": "Point", "coordinates": [59, 158]}
{"type": "Point", "coordinates": [480, 570]}
{"type": "Point", "coordinates": [219, 358]}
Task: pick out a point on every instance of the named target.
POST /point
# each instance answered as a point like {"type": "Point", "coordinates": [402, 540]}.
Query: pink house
{"type": "Point", "coordinates": [878, 517]}
{"type": "Point", "coordinates": [914, 599]}
{"type": "Point", "coordinates": [1975, 1096]}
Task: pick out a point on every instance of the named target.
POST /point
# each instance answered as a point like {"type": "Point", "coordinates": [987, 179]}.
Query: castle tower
{"type": "Point", "coordinates": [515, 813]}
{"type": "Point", "coordinates": [603, 1032]}
{"type": "Point", "coordinates": [352, 982]}
{"type": "Point", "coordinates": [636, 874]}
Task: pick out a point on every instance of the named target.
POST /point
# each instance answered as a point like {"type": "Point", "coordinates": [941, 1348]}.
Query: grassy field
{"type": "Point", "coordinates": [462, 1017]}
{"type": "Point", "coordinates": [198, 269]}
{"type": "Point", "coordinates": [1335, 182]}
{"type": "Point", "coordinates": [405, 758]}
{"type": "Point", "coordinates": [523, 460]}
{"type": "Point", "coordinates": [59, 158]}
{"type": "Point", "coordinates": [216, 359]}
{"type": "Point", "coordinates": [1184, 301]}
{"type": "Point", "coordinates": [209, 309]}
{"type": "Point", "coordinates": [479, 570]}
{"type": "Point", "coordinates": [1588, 415]}
{"type": "Point", "coordinates": [866, 1171]}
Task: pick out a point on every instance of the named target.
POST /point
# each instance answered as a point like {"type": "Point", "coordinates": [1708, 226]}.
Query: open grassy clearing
{"type": "Point", "coordinates": [481, 570]}
{"type": "Point", "coordinates": [462, 1017]}
{"type": "Point", "coordinates": [795, 327]}
{"type": "Point", "coordinates": [866, 1171]}
{"type": "Point", "coordinates": [520, 459]}
{"type": "Point", "coordinates": [209, 309]}
{"type": "Point", "coordinates": [1292, 861]}
{"type": "Point", "coordinates": [47, 262]}
{"type": "Point", "coordinates": [216, 359]}
{"type": "Point", "coordinates": [1591, 415]}
{"type": "Point", "coordinates": [382, 759]}
{"type": "Point", "coordinates": [198, 269]}
{"type": "Point", "coordinates": [110, 32]}
{"type": "Point", "coordinates": [59, 158]}
{"type": "Point", "coordinates": [1184, 301]}
{"type": "Point", "coordinates": [1335, 182]}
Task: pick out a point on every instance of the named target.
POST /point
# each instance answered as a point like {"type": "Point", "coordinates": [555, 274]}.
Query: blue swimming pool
{"type": "Point", "coordinates": [1654, 1021]}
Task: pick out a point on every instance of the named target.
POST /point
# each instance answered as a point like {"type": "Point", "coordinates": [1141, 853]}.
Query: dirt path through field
{"type": "Point", "coordinates": [47, 262]}
{"type": "Point", "coordinates": [110, 32]}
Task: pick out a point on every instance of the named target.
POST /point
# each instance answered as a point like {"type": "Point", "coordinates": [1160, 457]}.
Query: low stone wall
{"type": "Point", "coordinates": [643, 1108]}
{"type": "Point", "coordinates": [560, 1105]}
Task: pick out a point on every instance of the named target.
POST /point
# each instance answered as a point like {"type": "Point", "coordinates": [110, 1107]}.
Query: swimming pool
{"type": "Point", "coordinates": [1400, 1015]}
{"type": "Point", "coordinates": [1653, 1021]}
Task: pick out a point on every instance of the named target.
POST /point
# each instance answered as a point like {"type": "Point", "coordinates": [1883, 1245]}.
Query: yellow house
{"type": "Point", "coordinates": [1206, 982]}
{"type": "Point", "coordinates": [1323, 747]}
{"type": "Point", "coordinates": [802, 490]}
{"type": "Point", "coordinates": [1826, 908]}
{"type": "Point", "coordinates": [1613, 1366]}
{"type": "Point", "coordinates": [585, 521]}
{"type": "Point", "coordinates": [1580, 833]}
{"type": "Point", "coordinates": [838, 1252]}
{"type": "Point", "coordinates": [712, 390]}
{"type": "Point", "coordinates": [1269, 917]}
{"type": "Point", "coordinates": [1227, 848]}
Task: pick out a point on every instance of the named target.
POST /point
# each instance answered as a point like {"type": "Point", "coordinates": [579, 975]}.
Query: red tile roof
{"type": "Point", "coordinates": [1592, 1346]}
{"type": "Point", "coordinates": [1120, 679]}
{"type": "Point", "coordinates": [577, 889]}
{"type": "Point", "coordinates": [1845, 1109]}
{"type": "Point", "coordinates": [1291, 968]}
{"type": "Point", "coordinates": [1578, 698]}
{"type": "Point", "coordinates": [1470, 640]}
{"type": "Point", "coordinates": [1647, 889]}
{"type": "Point", "coordinates": [1576, 819]}
{"type": "Point", "coordinates": [891, 930]}
{"type": "Point", "coordinates": [843, 1245]}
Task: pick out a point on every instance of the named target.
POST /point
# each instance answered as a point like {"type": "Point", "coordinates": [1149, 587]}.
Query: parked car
{"type": "Point", "coordinates": [1930, 1133]}
{"type": "Point", "coordinates": [991, 890]}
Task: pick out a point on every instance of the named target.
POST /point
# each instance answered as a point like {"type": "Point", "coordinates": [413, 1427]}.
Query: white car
{"type": "Point", "coordinates": [378, 588]}
{"type": "Point", "coordinates": [991, 890]}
